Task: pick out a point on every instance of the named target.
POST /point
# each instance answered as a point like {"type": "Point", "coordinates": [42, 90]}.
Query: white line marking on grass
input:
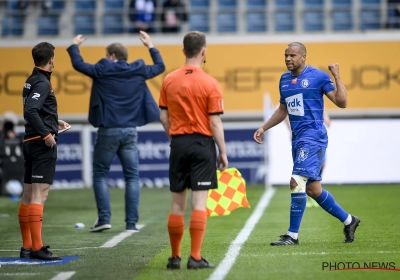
{"type": "Point", "coordinates": [19, 274]}
{"type": "Point", "coordinates": [118, 238]}
{"type": "Point", "coordinates": [223, 268]}
{"type": "Point", "coordinates": [63, 275]}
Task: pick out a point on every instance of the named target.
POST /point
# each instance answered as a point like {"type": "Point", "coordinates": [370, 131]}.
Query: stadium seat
{"type": "Point", "coordinates": [226, 22]}
{"type": "Point", "coordinates": [47, 25]}
{"type": "Point", "coordinates": [85, 6]}
{"type": "Point", "coordinates": [199, 4]}
{"type": "Point", "coordinates": [53, 6]}
{"type": "Point", "coordinates": [256, 22]}
{"type": "Point", "coordinates": [370, 3]}
{"type": "Point", "coordinates": [284, 4]}
{"type": "Point", "coordinates": [341, 4]}
{"type": "Point", "coordinates": [84, 24]}
{"type": "Point", "coordinates": [284, 21]}
{"type": "Point", "coordinates": [113, 24]}
{"type": "Point", "coordinates": [113, 6]}
{"type": "Point", "coordinates": [12, 26]}
{"type": "Point", "coordinates": [313, 21]}
{"type": "Point", "coordinates": [13, 8]}
{"type": "Point", "coordinates": [262, 4]}
{"type": "Point", "coordinates": [199, 22]}
{"type": "Point", "coordinates": [227, 3]}
{"type": "Point", "coordinates": [370, 19]}
{"type": "Point", "coordinates": [310, 4]}
{"type": "Point", "coordinates": [342, 20]}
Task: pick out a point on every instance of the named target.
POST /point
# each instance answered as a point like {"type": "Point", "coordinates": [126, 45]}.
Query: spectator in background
{"type": "Point", "coordinates": [142, 14]}
{"type": "Point", "coordinates": [173, 14]}
{"type": "Point", "coordinates": [393, 14]}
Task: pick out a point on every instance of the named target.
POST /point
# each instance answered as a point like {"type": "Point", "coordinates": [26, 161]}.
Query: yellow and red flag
{"type": "Point", "coordinates": [230, 195]}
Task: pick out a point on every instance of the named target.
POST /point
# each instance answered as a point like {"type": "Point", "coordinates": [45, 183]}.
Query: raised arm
{"type": "Point", "coordinates": [338, 96]}
{"type": "Point", "coordinates": [152, 70]}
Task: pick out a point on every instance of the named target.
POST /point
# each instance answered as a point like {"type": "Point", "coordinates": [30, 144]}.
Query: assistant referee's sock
{"type": "Point", "coordinates": [176, 227]}
{"type": "Point", "coordinates": [35, 217]}
{"type": "Point", "coordinates": [328, 203]}
{"type": "Point", "coordinates": [197, 228]}
{"type": "Point", "coordinates": [297, 208]}
{"type": "Point", "coordinates": [23, 212]}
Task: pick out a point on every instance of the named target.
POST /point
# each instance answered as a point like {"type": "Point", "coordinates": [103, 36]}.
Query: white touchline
{"type": "Point", "coordinates": [118, 238]}
{"type": "Point", "coordinates": [223, 268]}
{"type": "Point", "coordinates": [63, 275]}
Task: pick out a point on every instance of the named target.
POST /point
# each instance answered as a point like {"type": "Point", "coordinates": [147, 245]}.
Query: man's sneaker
{"type": "Point", "coordinates": [285, 240]}
{"type": "Point", "coordinates": [174, 263]}
{"type": "Point", "coordinates": [44, 254]}
{"type": "Point", "coordinates": [98, 227]}
{"type": "Point", "coordinates": [25, 253]}
{"type": "Point", "coordinates": [194, 264]}
{"type": "Point", "coordinates": [131, 227]}
{"type": "Point", "coordinates": [350, 229]}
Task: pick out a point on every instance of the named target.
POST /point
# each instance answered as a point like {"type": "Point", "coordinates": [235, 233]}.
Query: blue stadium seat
{"type": "Point", "coordinates": [313, 21]}
{"type": "Point", "coordinates": [342, 20]}
{"type": "Point", "coordinates": [256, 22]}
{"type": "Point", "coordinates": [257, 4]}
{"type": "Point", "coordinates": [226, 22]}
{"type": "Point", "coordinates": [199, 4]}
{"type": "Point", "coordinates": [309, 4]}
{"type": "Point", "coordinates": [53, 6]}
{"type": "Point", "coordinates": [227, 3]}
{"type": "Point", "coordinates": [199, 22]}
{"type": "Point", "coordinates": [13, 8]}
{"type": "Point", "coordinates": [289, 4]}
{"type": "Point", "coordinates": [85, 6]}
{"type": "Point", "coordinates": [113, 24]}
{"type": "Point", "coordinates": [370, 19]}
{"type": "Point", "coordinates": [284, 21]}
{"type": "Point", "coordinates": [48, 25]}
{"type": "Point", "coordinates": [12, 25]}
{"type": "Point", "coordinates": [341, 4]}
{"type": "Point", "coordinates": [370, 3]}
{"type": "Point", "coordinates": [84, 24]}
{"type": "Point", "coordinates": [113, 6]}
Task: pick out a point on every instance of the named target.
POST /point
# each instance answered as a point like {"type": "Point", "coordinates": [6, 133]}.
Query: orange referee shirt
{"type": "Point", "coordinates": [191, 95]}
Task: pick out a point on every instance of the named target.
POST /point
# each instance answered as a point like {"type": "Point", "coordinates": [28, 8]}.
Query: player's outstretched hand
{"type": "Point", "coordinates": [145, 38]}
{"type": "Point", "coordinates": [258, 135]}
{"type": "Point", "coordinates": [78, 40]}
{"type": "Point", "coordinates": [334, 68]}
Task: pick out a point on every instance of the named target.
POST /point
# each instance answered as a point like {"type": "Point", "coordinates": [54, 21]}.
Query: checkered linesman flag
{"type": "Point", "coordinates": [230, 195]}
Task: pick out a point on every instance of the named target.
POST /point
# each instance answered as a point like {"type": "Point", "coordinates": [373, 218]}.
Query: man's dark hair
{"type": "Point", "coordinates": [193, 42]}
{"type": "Point", "coordinates": [303, 49]}
{"type": "Point", "coordinates": [42, 53]}
{"type": "Point", "coordinates": [119, 50]}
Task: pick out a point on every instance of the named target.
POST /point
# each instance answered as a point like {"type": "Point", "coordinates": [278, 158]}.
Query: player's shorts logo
{"type": "Point", "coordinates": [303, 155]}
{"type": "Point", "coordinates": [304, 83]}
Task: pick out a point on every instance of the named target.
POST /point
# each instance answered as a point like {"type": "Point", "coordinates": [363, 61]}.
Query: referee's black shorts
{"type": "Point", "coordinates": [192, 163]}
{"type": "Point", "coordinates": [40, 162]}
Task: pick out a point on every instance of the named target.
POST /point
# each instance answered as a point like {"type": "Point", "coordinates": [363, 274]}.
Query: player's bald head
{"type": "Point", "coordinates": [302, 48]}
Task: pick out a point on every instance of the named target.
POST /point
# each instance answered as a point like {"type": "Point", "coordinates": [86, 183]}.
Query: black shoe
{"type": "Point", "coordinates": [44, 254]}
{"type": "Point", "coordinates": [98, 227]}
{"type": "Point", "coordinates": [25, 253]}
{"type": "Point", "coordinates": [132, 227]}
{"type": "Point", "coordinates": [174, 263]}
{"type": "Point", "coordinates": [285, 240]}
{"type": "Point", "coordinates": [350, 229]}
{"type": "Point", "coordinates": [194, 264]}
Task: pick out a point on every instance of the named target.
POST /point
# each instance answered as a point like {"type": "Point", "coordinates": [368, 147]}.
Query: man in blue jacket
{"type": "Point", "coordinates": [120, 101]}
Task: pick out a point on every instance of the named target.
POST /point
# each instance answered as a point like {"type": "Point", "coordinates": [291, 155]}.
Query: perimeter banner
{"type": "Point", "coordinates": [369, 70]}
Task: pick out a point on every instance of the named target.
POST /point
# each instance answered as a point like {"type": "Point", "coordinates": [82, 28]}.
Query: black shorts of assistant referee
{"type": "Point", "coordinates": [40, 162]}
{"type": "Point", "coordinates": [192, 163]}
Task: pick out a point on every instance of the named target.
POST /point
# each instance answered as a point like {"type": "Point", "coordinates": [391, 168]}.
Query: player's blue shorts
{"type": "Point", "coordinates": [307, 160]}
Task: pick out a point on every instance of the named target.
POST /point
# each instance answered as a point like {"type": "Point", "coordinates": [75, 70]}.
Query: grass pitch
{"type": "Point", "coordinates": [144, 255]}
